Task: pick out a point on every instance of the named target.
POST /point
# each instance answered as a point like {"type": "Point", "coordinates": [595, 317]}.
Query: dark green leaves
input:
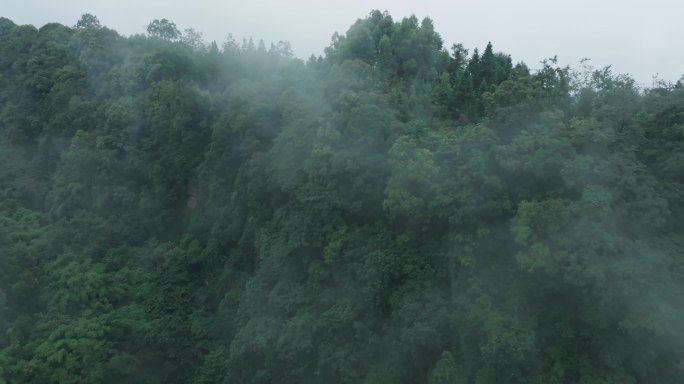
{"type": "Point", "coordinates": [172, 212]}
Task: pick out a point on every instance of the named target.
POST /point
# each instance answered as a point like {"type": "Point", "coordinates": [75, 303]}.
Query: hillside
{"type": "Point", "coordinates": [396, 211]}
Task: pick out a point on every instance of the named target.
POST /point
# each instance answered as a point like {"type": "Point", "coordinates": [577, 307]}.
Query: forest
{"type": "Point", "coordinates": [393, 211]}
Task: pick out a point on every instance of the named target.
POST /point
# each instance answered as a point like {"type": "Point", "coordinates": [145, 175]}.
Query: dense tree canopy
{"type": "Point", "coordinates": [173, 211]}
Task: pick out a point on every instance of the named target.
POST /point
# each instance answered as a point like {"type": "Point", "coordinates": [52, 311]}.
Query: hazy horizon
{"type": "Point", "coordinates": [630, 36]}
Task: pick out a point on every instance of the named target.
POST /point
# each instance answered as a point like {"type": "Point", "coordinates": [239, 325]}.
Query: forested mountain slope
{"type": "Point", "coordinates": [392, 212]}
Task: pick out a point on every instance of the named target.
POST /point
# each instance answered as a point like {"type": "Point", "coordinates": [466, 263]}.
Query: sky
{"type": "Point", "coordinates": [640, 38]}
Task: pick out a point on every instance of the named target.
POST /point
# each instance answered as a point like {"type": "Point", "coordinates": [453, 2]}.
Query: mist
{"type": "Point", "coordinates": [632, 36]}
{"type": "Point", "coordinates": [399, 207]}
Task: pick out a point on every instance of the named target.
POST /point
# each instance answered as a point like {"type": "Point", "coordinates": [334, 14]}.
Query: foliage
{"type": "Point", "coordinates": [163, 29]}
{"type": "Point", "coordinates": [392, 212]}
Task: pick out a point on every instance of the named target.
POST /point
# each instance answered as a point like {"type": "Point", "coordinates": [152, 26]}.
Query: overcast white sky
{"type": "Point", "coordinates": [642, 38]}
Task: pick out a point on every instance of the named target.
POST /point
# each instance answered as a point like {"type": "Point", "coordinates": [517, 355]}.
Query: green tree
{"type": "Point", "coordinates": [163, 29]}
{"type": "Point", "coordinates": [88, 21]}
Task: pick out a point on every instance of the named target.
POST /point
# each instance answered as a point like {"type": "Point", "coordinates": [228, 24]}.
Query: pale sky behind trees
{"type": "Point", "coordinates": [635, 37]}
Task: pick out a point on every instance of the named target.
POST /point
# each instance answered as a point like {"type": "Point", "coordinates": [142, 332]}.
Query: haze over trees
{"type": "Point", "coordinates": [396, 211]}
